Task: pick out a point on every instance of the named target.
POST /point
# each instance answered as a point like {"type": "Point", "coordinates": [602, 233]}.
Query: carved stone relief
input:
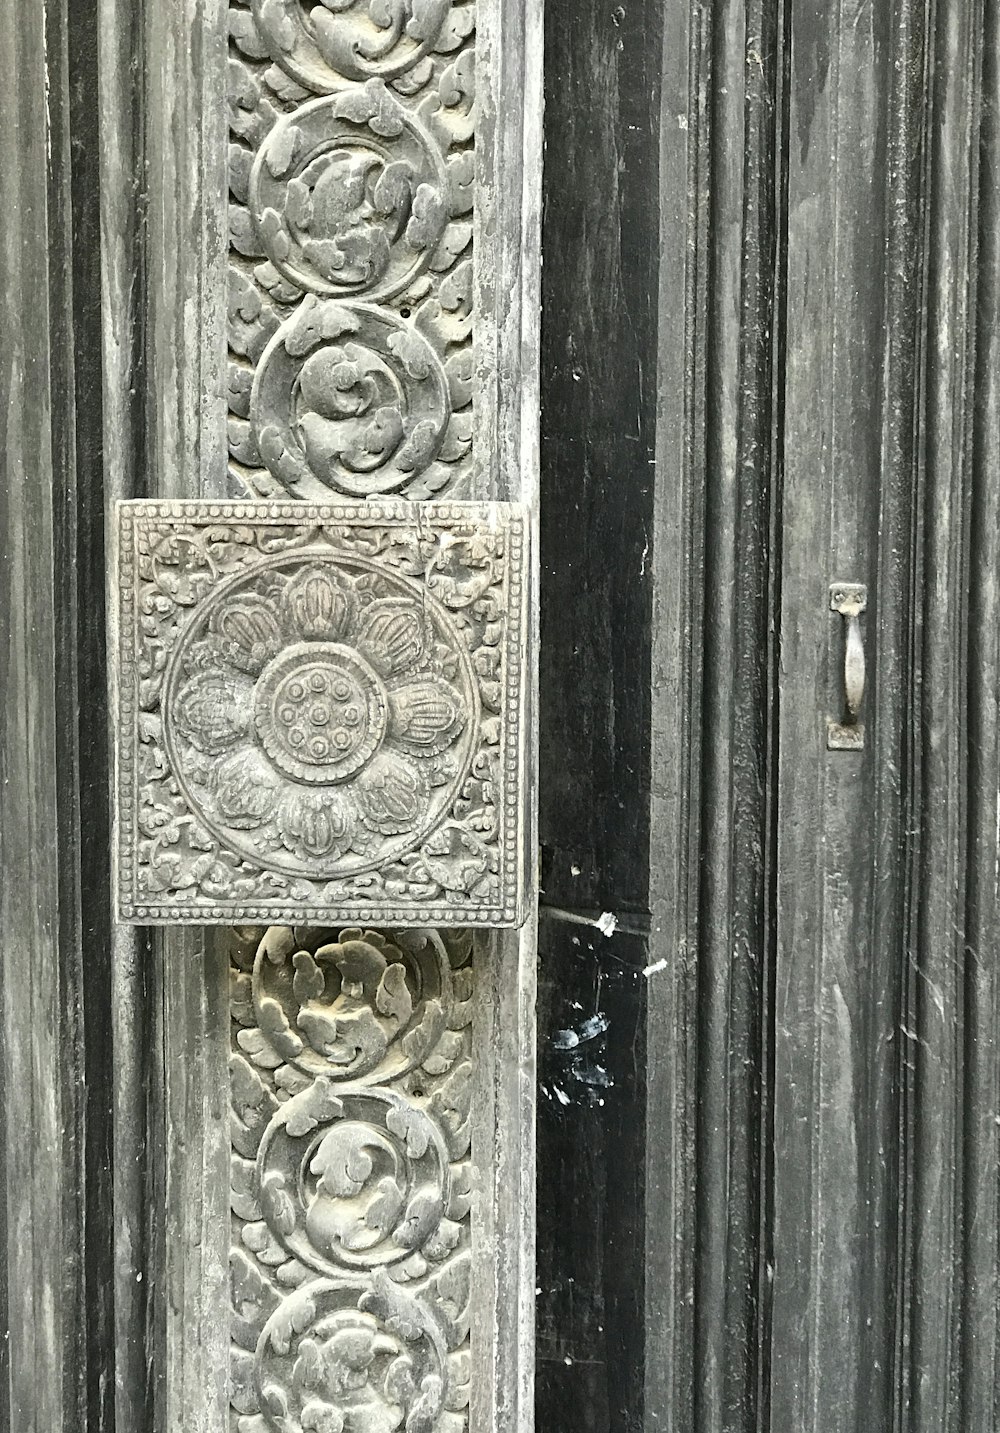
{"type": "Point", "coordinates": [319, 712]}
{"type": "Point", "coordinates": [341, 712]}
{"type": "Point", "coordinates": [350, 309]}
{"type": "Point", "coordinates": [351, 1183]}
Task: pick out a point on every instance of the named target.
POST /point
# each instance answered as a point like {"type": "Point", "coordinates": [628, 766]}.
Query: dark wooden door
{"type": "Point", "coordinates": [769, 1096]}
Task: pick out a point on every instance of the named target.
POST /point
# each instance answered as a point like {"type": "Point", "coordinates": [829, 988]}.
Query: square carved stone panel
{"type": "Point", "coordinates": [319, 712]}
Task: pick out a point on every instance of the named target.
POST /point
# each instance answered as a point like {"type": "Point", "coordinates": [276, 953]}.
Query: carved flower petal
{"type": "Point", "coordinates": [316, 604]}
{"type": "Point", "coordinates": [392, 795]}
{"type": "Point", "coordinates": [213, 710]}
{"type": "Point", "coordinates": [425, 715]}
{"type": "Point", "coordinates": [392, 636]}
{"type": "Point", "coordinates": [245, 789]}
{"type": "Point", "coordinates": [248, 632]}
{"type": "Point", "coordinates": [314, 824]}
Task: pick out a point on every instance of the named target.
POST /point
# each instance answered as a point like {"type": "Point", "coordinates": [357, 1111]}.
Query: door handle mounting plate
{"type": "Point", "coordinates": [850, 599]}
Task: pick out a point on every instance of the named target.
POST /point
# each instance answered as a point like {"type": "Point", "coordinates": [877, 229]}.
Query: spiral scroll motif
{"type": "Point", "coordinates": [351, 1191]}
{"type": "Point", "coordinates": [322, 45]}
{"type": "Point", "coordinates": [348, 397]}
{"type": "Point", "coordinates": [352, 167]}
{"type": "Point", "coordinates": [350, 308]}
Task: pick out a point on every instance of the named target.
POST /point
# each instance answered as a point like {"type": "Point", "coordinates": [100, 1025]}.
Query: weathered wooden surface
{"type": "Point", "coordinates": [56, 1340]}
{"type": "Point", "coordinates": [599, 405]}
{"type": "Point", "coordinates": [814, 1101]}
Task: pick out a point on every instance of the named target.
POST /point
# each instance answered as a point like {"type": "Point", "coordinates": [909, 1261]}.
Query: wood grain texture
{"type": "Point", "coordinates": [598, 433]}
{"type": "Point", "coordinates": [162, 76]}
{"type": "Point", "coordinates": [56, 1248]}
{"type": "Point", "coordinates": [948, 1328]}
{"type": "Point", "coordinates": [816, 1103]}
{"type": "Point", "coordinates": [835, 992]}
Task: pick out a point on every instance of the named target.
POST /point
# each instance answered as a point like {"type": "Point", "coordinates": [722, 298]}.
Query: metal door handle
{"type": "Point", "coordinates": [850, 599]}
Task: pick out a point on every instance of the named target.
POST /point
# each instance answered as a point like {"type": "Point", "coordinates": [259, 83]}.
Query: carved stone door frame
{"type": "Point", "coordinates": [126, 1279]}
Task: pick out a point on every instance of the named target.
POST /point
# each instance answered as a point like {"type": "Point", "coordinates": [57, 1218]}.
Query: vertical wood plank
{"type": "Point", "coordinates": [41, 1241]}
{"type": "Point", "coordinates": [54, 1230]}
{"type": "Point", "coordinates": [948, 989]}
{"type": "Point", "coordinates": [600, 326]}
{"type": "Point", "coordinates": [678, 603]}
{"type": "Point", "coordinates": [836, 992]}
{"type": "Point", "coordinates": [979, 1353]}
{"type": "Point", "coordinates": [165, 242]}
{"type": "Point", "coordinates": [742, 78]}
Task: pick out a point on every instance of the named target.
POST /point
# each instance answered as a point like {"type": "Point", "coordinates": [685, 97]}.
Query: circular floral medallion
{"type": "Point", "coordinates": [349, 398]}
{"type": "Point", "coordinates": [353, 1178]}
{"type": "Point", "coordinates": [320, 714]}
{"type": "Point", "coordinates": [350, 195]}
{"type": "Point", "coordinates": [320, 45]}
{"type": "Point", "coordinates": [346, 1356]}
{"type": "Point", "coordinates": [355, 1005]}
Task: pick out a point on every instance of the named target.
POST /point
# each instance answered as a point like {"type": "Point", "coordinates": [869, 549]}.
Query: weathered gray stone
{"type": "Point", "coordinates": [319, 712]}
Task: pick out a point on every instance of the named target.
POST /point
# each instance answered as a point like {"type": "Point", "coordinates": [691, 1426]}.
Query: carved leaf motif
{"type": "Point", "coordinates": [308, 982]}
{"type": "Point", "coordinates": [244, 1200]}
{"type": "Point", "coordinates": [360, 962]}
{"type": "Point", "coordinates": [314, 824]}
{"type": "Point", "coordinates": [422, 1037]}
{"type": "Point", "coordinates": [253, 1105]}
{"type": "Point", "coordinates": [411, 1127]}
{"type": "Point", "coordinates": [444, 1054]}
{"type": "Point", "coordinates": [212, 711]}
{"type": "Point", "coordinates": [253, 1298]}
{"type": "Point", "coordinates": [389, 1305]}
{"type": "Point", "coordinates": [245, 789]}
{"type": "Point", "coordinates": [294, 1316]}
{"type": "Point", "coordinates": [320, 1417]}
{"type": "Point", "coordinates": [384, 1209]}
{"type": "Point", "coordinates": [392, 636]}
{"type": "Point", "coordinates": [248, 632]}
{"type": "Point", "coordinates": [443, 1240]}
{"type": "Point", "coordinates": [423, 1414]}
{"type": "Point", "coordinates": [258, 1238]}
{"type": "Point", "coordinates": [423, 1213]}
{"type": "Point", "coordinates": [393, 996]}
{"type": "Point", "coordinates": [309, 1366]}
{"type": "Point", "coordinates": [260, 1049]}
{"type": "Point", "coordinates": [399, 1381]}
{"type": "Point", "coordinates": [342, 1163]}
{"type": "Point", "coordinates": [279, 1211]}
{"type": "Point", "coordinates": [425, 715]}
{"type": "Point", "coordinates": [306, 1117]}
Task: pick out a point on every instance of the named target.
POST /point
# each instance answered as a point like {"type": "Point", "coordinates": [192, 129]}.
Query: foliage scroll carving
{"type": "Point", "coordinates": [352, 168]}
{"type": "Point", "coordinates": [351, 1184]}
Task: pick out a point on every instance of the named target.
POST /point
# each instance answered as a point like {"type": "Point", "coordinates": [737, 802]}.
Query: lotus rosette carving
{"type": "Point", "coordinates": [319, 712]}
{"type": "Point", "coordinates": [333, 704]}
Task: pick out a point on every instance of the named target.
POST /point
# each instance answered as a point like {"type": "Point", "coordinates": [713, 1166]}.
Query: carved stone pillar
{"type": "Point", "coordinates": [345, 1239]}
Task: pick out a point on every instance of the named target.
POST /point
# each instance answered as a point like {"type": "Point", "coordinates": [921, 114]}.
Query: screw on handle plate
{"type": "Point", "coordinates": [850, 599]}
